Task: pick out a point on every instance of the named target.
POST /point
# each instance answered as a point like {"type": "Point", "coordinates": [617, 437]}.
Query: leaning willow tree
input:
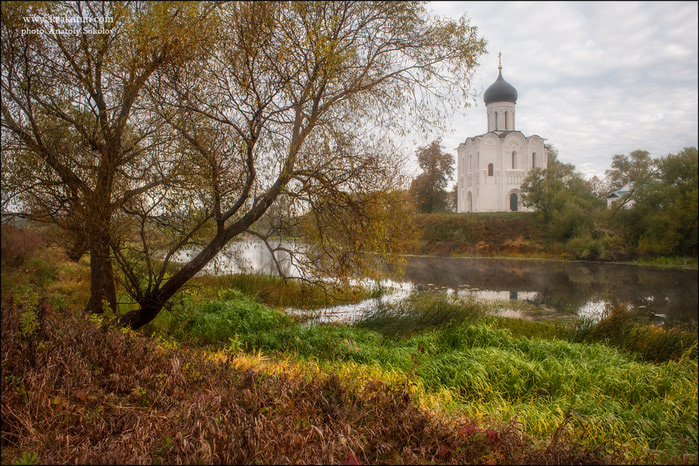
{"type": "Point", "coordinates": [143, 130]}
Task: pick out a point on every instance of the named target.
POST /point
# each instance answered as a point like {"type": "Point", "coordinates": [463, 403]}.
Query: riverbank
{"type": "Point", "coordinates": [226, 378]}
{"type": "Point", "coordinates": [508, 235]}
{"type": "Point", "coordinates": [518, 234]}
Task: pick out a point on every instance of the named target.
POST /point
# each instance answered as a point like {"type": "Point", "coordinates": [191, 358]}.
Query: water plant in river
{"type": "Point", "coordinates": [619, 327]}
{"type": "Point", "coordinates": [419, 312]}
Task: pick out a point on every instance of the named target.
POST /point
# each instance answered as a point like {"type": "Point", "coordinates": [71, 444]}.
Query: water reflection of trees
{"type": "Point", "coordinates": [567, 286]}
{"type": "Point", "coordinates": [564, 286]}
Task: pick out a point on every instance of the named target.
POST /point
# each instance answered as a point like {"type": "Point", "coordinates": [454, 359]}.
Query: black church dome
{"type": "Point", "coordinates": [500, 91]}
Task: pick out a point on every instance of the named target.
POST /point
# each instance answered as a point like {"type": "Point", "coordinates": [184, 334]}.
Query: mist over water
{"type": "Point", "coordinates": [555, 289]}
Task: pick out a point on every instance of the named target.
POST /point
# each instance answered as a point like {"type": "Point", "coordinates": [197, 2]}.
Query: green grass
{"type": "Point", "coordinates": [488, 367]}
{"type": "Point", "coordinates": [277, 292]}
{"type": "Point", "coordinates": [670, 262]}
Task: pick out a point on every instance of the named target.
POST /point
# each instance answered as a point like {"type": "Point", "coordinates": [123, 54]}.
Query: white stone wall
{"type": "Point", "coordinates": [501, 116]}
{"type": "Point", "coordinates": [479, 192]}
{"type": "Point", "coordinates": [511, 156]}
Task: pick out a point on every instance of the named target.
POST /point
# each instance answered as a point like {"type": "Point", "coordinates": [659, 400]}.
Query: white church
{"type": "Point", "coordinates": [491, 167]}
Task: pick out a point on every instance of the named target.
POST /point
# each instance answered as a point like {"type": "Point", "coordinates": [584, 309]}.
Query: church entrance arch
{"type": "Point", "coordinates": [514, 202]}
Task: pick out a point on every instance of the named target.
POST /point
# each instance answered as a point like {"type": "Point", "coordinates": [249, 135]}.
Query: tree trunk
{"type": "Point", "coordinates": [102, 286]}
{"type": "Point", "coordinates": [153, 304]}
{"type": "Point", "coordinates": [147, 311]}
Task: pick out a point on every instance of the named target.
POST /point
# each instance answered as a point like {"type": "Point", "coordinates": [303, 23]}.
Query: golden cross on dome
{"type": "Point", "coordinates": [499, 60]}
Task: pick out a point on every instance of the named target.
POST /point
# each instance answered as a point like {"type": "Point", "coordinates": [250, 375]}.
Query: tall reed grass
{"type": "Point", "coordinates": [620, 328]}
{"type": "Point", "coordinates": [278, 292]}
{"type": "Point", "coordinates": [419, 312]}
{"type": "Point", "coordinates": [492, 372]}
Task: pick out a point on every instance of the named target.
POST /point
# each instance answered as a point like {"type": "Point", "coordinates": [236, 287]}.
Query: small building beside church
{"type": "Point", "coordinates": [621, 194]}
{"type": "Point", "coordinates": [491, 167]}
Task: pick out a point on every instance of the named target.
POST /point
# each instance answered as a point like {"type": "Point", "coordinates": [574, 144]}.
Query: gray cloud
{"type": "Point", "coordinates": [594, 78]}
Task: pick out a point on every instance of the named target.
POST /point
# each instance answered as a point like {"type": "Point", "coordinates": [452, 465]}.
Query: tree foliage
{"type": "Point", "coordinates": [429, 188]}
{"type": "Point", "coordinates": [629, 169]}
{"type": "Point", "coordinates": [559, 193]}
{"type": "Point", "coordinates": [664, 218]}
{"type": "Point", "coordinates": [566, 203]}
{"type": "Point", "coordinates": [183, 125]}
{"type": "Point", "coordinates": [80, 140]}
{"type": "Point", "coordinates": [633, 171]}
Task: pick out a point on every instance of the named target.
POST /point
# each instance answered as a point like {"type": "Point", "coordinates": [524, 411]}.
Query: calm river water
{"type": "Point", "coordinates": [566, 288]}
{"type": "Point", "coordinates": [556, 289]}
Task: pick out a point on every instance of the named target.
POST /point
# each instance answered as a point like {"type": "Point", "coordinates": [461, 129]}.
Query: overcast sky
{"type": "Point", "coordinates": [593, 78]}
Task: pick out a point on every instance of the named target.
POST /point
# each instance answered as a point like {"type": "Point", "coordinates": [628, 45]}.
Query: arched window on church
{"type": "Point", "coordinates": [506, 122]}
{"type": "Point", "coordinates": [496, 121]}
{"type": "Point", "coordinates": [513, 160]}
{"type": "Point", "coordinates": [533, 159]}
{"type": "Point", "coordinates": [490, 169]}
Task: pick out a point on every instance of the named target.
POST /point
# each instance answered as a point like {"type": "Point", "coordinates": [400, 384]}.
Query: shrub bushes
{"type": "Point", "coordinates": [18, 245]}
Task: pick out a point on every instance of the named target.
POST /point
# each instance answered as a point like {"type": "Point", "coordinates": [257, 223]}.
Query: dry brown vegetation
{"type": "Point", "coordinates": [518, 234]}
{"type": "Point", "coordinates": [74, 391]}
{"type": "Point", "coordinates": [18, 245]}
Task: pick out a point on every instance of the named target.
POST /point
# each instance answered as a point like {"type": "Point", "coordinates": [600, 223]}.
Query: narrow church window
{"type": "Point", "coordinates": [533, 159]}
{"type": "Point", "coordinates": [513, 160]}
{"type": "Point", "coordinates": [506, 123]}
{"type": "Point", "coordinates": [496, 121]}
{"type": "Point", "coordinates": [490, 169]}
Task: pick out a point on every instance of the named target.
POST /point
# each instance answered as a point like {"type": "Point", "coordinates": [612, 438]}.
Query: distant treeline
{"type": "Point", "coordinates": [516, 234]}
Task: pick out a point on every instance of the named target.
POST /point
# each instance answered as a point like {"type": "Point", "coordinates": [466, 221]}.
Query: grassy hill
{"type": "Point", "coordinates": [516, 234]}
